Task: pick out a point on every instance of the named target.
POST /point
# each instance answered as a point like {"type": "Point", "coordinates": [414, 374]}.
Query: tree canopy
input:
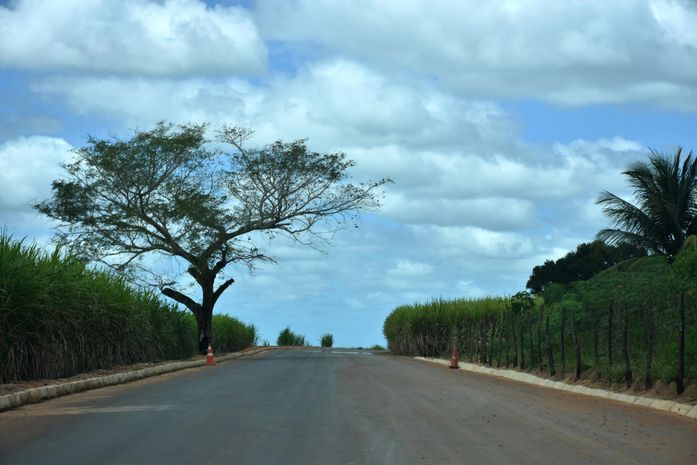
{"type": "Point", "coordinates": [586, 261]}
{"type": "Point", "coordinates": [665, 210]}
{"type": "Point", "coordinates": [173, 192]}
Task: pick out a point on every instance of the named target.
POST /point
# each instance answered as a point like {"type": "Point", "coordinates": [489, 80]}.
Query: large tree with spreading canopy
{"type": "Point", "coordinates": [203, 203]}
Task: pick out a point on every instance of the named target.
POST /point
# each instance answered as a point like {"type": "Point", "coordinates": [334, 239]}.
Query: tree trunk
{"type": "Point", "coordinates": [550, 352]}
{"type": "Point", "coordinates": [628, 378]}
{"type": "Point", "coordinates": [207, 302]}
{"type": "Point", "coordinates": [203, 312]}
{"type": "Point", "coordinates": [202, 315]}
{"type": "Point", "coordinates": [205, 336]}
{"type": "Point", "coordinates": [680, 378]}
{"type": "Point", "coordinates": [577, 346]}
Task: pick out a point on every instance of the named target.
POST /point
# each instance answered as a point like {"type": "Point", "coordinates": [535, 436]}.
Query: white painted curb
{"type": "Point", "coordinates": [31, 396]}
{"type": "Point", "coordinates": [658, 404]}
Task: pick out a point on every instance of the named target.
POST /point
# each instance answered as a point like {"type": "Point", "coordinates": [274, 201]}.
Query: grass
{"type": "Point", "coordinates": [288, 338]}
{"type": "Point", "coordinates": [327, 340]}
{"type": "Point", "coordinates": [59, 318]}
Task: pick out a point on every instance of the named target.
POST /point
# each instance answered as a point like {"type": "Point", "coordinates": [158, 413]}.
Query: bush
{"type": "Point", "coordinates": [288, 338]}
{"type": "Point", "coordinates": [327, 340]}
{"type": "Point", "coordinates": [231, 335]}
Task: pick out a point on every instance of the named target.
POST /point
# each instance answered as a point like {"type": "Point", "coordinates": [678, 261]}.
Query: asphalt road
{"type": "Point", "coordinates": [339, 407]}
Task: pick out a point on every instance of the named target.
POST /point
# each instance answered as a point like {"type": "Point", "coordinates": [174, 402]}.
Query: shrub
{"type": "Point", "coordinates": [288, 338]}
{"type": "Point", "coordinates": [231, 335]}
{"type": "Point", "coordinates": [327, 340]}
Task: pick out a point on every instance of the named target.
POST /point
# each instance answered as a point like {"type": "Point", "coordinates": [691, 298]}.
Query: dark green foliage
{"type": "Point", "coordinates": [58, 318]}
{"type": "Point", "coordinates": [288, 338]}
{"type": "Point", "coordinates": [622, 325]}
{"type": "Point", "coordinates": [585, 262]}
{"type": "Point", "coordinates": [665, 210]}
{"type": "Point", "coordinates": [231, 335]}
{"type": "Point", "coordinates": [327, 340]}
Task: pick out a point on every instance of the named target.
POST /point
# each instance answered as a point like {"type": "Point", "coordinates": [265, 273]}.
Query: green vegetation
{"type": "Point", "coordinates": [623, 325]}
{"type": "Point", "coordinates": [585, 262]}
{"type": "Point", "coordinates": [327, 340]}
{"type": "Point", "coordinates": [231, 335]}
{"type": "Point", "coordinates": [172, 192]}
{"type": "Point", "coordinates": [288, 338]}
{"type": "Point", "coordinates": [606, 311]}
{"type": "Point", "coordinates": [665, 210]}
{"type": "Point", "coordinates": [59, 318]}
{"type": "Point", "coordinates": [378, 347]}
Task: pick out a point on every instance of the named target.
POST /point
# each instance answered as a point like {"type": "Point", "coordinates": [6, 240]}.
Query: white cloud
{"type": "Point", "coordinates": [334, 103]}
{"type": "Point", "coordinates": [144, 101]}
{"type": "Point", "coordinates": [473, 243]}
{"type": "Point", "coordinates": [569, 53]}
{"type": "Point", "coordinates": [496, 213]}
{"type": "Point", "coordinates": [173, 37]}
{"type": "Point", "coordinates": [409, 269]}
{"type": "Point", "coordinates": [677, 20]}
{"type": "Point", "coordinates": [460, 163]}
{"type": "Point", "coordinates": [468, 289]}
{"type": "Point", "coordinates": [28, 165]}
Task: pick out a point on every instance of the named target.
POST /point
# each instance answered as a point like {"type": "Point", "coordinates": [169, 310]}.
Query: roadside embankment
{"type": "Point", "coordinates": [39, 394]}
{"type": "Point", "coordinates": [672, 406]}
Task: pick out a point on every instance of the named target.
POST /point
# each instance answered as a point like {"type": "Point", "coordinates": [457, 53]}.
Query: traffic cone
{"type": "Point", "coordinates": [453, 359]}
{"type": "Point", "coordinates": [209, 357]}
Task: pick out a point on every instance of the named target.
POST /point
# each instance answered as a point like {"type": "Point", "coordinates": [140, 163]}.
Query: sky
{"type": "Point", "coordinates": [499, 122]}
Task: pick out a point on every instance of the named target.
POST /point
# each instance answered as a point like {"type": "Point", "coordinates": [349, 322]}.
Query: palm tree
{"type": "Point", "coordinates": [665, 213]}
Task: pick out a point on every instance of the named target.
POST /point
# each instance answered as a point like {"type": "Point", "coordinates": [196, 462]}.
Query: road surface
{"type": "Point", "coordinates": [338, 407]}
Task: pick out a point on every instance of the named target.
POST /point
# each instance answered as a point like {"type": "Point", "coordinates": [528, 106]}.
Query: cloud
{"type": "Point", "coordinates": [456, 163]}
{"type": "Point", "coordinates": [334, 103]}
{"type": "Point", "coordinates": [28, 165]}
{"type": "Point", "coordinates": [472, 242]}
{"type": "Point", "coordinates": [677, 20]}
{"type": "Point", "coordinates": [493, 213]}
{"type": "Point", "coordinates": [566, 53]}
{"type": "Point", "coordinates": [174, 37]}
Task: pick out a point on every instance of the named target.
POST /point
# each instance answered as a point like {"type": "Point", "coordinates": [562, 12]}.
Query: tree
{"type": "Point", "coordinates": [586, 261]}
{"type": "Point", "coordinates": [171, 191]}
{"type": "Point", "coordinates": [665, 213]}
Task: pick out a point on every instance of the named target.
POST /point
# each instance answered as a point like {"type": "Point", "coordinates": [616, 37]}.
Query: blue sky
{"type": "Point", "coordinates": [500, 122]}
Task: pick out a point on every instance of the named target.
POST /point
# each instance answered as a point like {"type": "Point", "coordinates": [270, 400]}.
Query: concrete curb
{"type": "Point", "coordinates": [31, 396]}
{"type": "Point", "coordinates": [687, 410]}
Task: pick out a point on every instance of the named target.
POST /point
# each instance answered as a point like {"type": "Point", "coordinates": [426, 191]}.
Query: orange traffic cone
{"type": "Point", "coordinates": [453, 359]}
{"type": "Point", "coordinates": [209, 357]}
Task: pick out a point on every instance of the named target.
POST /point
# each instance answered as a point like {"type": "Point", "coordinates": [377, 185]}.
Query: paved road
{"type": "Point", "coordinates": [338, 407]}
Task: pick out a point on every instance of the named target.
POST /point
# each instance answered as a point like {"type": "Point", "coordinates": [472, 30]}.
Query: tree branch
{"type": "Point", "coordinates": [181, 298]}
{"type": "Point", "coordinates": [218, 292]}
